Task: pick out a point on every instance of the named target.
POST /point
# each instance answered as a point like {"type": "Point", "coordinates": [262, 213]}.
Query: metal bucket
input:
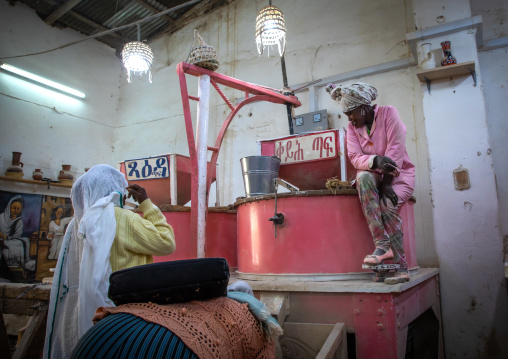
{"type": "Point", "coordinates": [259, 173]}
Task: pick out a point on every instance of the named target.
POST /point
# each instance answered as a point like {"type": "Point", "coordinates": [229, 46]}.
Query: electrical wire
{"type": "Point", "coordinates": [108, 31]}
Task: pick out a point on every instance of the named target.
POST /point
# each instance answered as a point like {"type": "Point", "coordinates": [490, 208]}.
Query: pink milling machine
{"type": "Point", "coordinates": [301, 251]}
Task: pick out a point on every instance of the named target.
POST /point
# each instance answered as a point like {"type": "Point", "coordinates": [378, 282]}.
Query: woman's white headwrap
{"type": "Point", "coordinates": [352, 96]}
{"type": "Point", "coordinates": [81, 279]}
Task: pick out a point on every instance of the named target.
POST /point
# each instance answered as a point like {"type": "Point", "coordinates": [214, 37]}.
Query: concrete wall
{"type": "Point", "coordinates": [454, 125]}
{"type": "Point", "coordinates": [494, 65]}
{"type": "Point", "coordinates": [466, 223]}
{"type": "Point", "coordinates": [49, 128]}
{"type": "Point", "coordinates": [311, 54]}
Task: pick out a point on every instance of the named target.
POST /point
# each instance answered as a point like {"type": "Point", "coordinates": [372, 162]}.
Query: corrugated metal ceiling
{"type": "Point", "coordinates": [91, 17]}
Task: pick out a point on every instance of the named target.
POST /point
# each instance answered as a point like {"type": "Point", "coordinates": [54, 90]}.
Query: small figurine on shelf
{"type": "Point", "coordinates": [37, 174]}
{"type": "Point", "coordinates": [65, 175]}
{"type": "Point", "coordinates": [448, 58]}
{"type": "Point", "coordinates": [16, 170]}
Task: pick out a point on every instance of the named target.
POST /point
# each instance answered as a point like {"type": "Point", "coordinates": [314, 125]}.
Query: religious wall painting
{"type": "Point", "coordinates": [56, 213]}
{"type": "Point", "coordinates": [32, 228]}
{"type": "Point", "coordinates": [19, 233]}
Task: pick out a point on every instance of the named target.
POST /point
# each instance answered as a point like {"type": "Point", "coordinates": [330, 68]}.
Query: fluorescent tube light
{"type": "Point", "coordinates": [42, 80]}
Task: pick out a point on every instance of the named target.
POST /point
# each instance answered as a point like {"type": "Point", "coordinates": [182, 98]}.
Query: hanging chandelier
{"type": "Point", "coordinates": [270, 29]}
{"type": "Point", "coordinates": [137, 57]}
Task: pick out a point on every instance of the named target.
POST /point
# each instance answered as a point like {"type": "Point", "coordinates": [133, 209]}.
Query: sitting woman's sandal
{"type": "Point", "coordinates": [399, 277]}
{"type": "Point", "coordinates": [378, 256]}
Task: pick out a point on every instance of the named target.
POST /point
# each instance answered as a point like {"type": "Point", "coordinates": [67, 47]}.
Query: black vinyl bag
{"type": "Point", "coordinates": [170, 282]}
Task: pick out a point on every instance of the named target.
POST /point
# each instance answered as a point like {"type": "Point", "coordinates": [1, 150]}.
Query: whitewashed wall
{"type": "Point", "coordinates": [51, 129]}
{"type": "Point", "coordinates": [336, 46]}
{"type": "Point", "coordinates": [466, 223]}
{"type": "Point", "coordinates": [494, 65]}
{"type": "Point", "coordinates": [121, 121]}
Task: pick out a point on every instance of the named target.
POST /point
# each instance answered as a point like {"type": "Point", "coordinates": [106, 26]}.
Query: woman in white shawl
{"type": "Point", "coordinates": [84, 253]}
{"type": "Point", "coordinates": [14, 247]}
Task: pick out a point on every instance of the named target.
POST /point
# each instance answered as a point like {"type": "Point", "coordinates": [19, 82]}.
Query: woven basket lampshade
{"type": "Point", "coordinates": [202, 54]}
{"type": "Point", "coordinates": [270, 29]}
{"type": "Point", "coordinates": [137, 57]}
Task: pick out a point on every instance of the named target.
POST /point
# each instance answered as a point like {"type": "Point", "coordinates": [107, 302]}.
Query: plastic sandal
{"type": "Point", "coordinates": [374, 259]}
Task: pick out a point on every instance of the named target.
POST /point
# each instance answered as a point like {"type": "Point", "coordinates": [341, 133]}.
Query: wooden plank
{"type": "Point", "coordinates": [178, 208]}
{"type": "Point", "coordinates": [41, 183]}
{"type": "Point", "coordinates": [18, 298]}
{"type": "Point", "coordinates": [5, 348]}
{"type": "Point", "coordinates": [32, 342]}
{"type": "Point", "coordinates": [464, 68]}
{"type": "Point", "coordinates": [18, 306]}
{"type": "Point", "coordinates": [61, 11]}
{"type": "Point", "coordinates": [25, 291]}
{"type": "Point", "coordinates": [314, 335]}
{"type": "Point", "coordinates": [335, 340]}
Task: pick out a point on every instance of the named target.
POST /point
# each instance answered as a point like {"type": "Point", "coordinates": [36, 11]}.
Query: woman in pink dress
{"type": "Point", "coordinates": [376, 143]}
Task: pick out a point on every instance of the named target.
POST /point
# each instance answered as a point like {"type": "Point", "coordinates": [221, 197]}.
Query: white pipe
{"type": "Point", "coordinates": [312, 99]}
{"type": "Point", "coordinates": [202, 154]}
{"type": "Point", "coordinates": [172, 180]}
{"type": "Point", "coordinates": [217, 201]}
{"type": "Point", "coordinates": [342, 155]}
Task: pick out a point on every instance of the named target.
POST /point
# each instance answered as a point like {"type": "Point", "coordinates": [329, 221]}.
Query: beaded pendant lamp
{"type": "Point", "coordinates": [270, 29]}
{"type": "Point", "coordinates": [137, 57]}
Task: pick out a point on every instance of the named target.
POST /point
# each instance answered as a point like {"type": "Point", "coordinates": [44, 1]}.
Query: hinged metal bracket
{"type": "Point", "coordinates": [473, 73]}
{"type": "Point", "coordinates": [428, 83]}
{"type": "Point", "coordinates": [278, 304]}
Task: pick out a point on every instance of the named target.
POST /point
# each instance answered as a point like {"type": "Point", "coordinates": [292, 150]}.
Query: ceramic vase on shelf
{"type": "Point", "coordinates": [16, 170]}
{"type": "Point", "coordinates": [65, 175]}
{"type": "Point", "coordinates": [448, 58]}
{"type": "Point", "coordinates": [37, 174]}
{"type": "Point", "coordinates": [427, 61]}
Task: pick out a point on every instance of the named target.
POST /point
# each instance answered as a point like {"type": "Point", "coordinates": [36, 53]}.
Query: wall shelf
{"type": "Point", "coordinates": [465, 68]}
{"type": "Point", "coordinates": [41, 183]}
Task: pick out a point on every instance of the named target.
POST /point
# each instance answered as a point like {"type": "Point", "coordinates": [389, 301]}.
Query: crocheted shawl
{"type": "Point", "coordinates": [218, 328]}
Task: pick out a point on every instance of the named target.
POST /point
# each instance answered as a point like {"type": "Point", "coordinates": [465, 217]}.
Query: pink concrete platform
{"type": "Point", "coordinates": [322, 234]}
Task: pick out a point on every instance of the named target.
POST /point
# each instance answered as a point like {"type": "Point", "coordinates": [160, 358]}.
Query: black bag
{"type": "Point", "coordinates": [170, 282]}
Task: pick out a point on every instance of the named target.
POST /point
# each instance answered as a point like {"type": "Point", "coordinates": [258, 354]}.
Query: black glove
{"type": "Point", "coordinates": [385, 164]}
{"type": "Point", "coordinates": [386, 191]}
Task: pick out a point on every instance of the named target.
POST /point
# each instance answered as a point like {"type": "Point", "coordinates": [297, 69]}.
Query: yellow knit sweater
{"type": "Point", "coordinates": [138, 238]}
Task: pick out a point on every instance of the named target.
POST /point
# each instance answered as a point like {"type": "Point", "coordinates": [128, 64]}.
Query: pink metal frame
{"type": "Point", "coordinates": [258, 93]}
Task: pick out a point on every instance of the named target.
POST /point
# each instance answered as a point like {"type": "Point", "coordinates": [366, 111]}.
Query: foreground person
{"type": "Point", "coordinates": [376, 143]}
{"type": "Point", "coordinates": [101, 238]}
{"type": "Point", "coordinates": [234, 327]}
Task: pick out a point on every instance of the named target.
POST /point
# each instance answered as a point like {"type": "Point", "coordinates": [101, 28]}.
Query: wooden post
{"type": "Point", "coordinates": [32, 343]}
{"type": "Point", "coordinates": [5, 347]}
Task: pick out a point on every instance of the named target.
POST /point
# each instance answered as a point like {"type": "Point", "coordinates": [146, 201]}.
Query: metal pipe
{"type": "Point", "coordinates": [342, 143]}
{"type": "Point", "coordinates": [172, 180]}
{"type": "Point", "coordinates": [287, 92]}
{"type": "Point", "coordinates": [202, 156]}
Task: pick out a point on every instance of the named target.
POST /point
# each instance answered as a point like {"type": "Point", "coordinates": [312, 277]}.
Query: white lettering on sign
{"type": "Point", "coordinates": [307, 148]}
{"type": "Point", "coordinates": [147, 168]}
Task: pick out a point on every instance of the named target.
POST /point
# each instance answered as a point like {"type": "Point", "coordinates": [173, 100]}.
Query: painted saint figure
{"type": "Point", "coordinates": [56, 232]}
{"type": "Point", "coordinates": [15, 249]}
